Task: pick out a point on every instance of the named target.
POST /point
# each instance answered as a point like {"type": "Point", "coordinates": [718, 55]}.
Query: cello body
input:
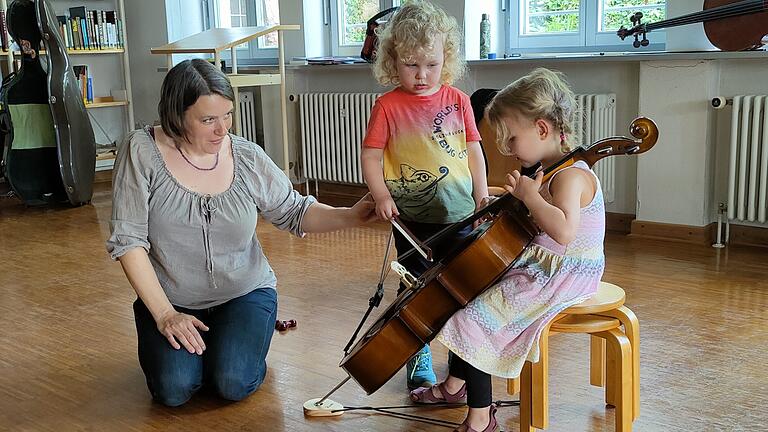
{"type": "Point", "coordinates": [48, 144]}
{"type": "Point", "coordinates": [417, 314]}
{"type": "Point", "coordinates": [736, 33]}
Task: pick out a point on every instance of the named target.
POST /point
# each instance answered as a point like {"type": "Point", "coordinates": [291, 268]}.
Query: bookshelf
{"type": "Point", "coordinates": [108, 65]}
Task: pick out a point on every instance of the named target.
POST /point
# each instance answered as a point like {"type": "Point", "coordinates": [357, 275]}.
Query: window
{"type": "Point", "coordinates": [353, 15]}
{"type": "Point", "coordinates": [266, 15]}
{"type": "Point", "coordinates": [244, 13]}
{"type": "Point", "coordinates": [547, 16]}
{"type": "Point", "coordinates": [615, 13]}
{"type": "Point", "coordinates": [348, 23]}
{"type": "Point", "coordinates": [233, 13]}
{"type": "Point", "coordinates": [570, 25]}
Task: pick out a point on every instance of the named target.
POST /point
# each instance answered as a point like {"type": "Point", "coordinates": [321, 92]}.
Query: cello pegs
{"type": "Point", "coordinates": [328, 408]}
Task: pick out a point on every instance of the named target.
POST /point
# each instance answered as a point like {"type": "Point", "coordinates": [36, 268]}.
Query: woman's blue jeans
{"type": "Point", "coordinates": [233, 364]}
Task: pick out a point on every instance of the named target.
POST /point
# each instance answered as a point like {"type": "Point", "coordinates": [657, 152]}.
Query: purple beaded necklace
{"type": "Point", "coordinates": [215, 164]}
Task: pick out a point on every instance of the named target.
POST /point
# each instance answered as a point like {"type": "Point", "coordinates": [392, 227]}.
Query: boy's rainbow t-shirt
{"type": "Point", "coordinates": [425, 152]}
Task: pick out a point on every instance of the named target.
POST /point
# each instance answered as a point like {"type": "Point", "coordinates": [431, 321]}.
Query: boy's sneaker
{"type": "Point", "coordinates": [419, 370]}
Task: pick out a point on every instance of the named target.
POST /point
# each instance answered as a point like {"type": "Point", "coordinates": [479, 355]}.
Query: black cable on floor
{"type": "Point", "coordinates": [422, 419]}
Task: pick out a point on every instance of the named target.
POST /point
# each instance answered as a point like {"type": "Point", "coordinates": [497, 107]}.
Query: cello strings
{"type": "Point", "coordinates": [722, 12]}
{"type": "Point", "coordinates": [727, 11]}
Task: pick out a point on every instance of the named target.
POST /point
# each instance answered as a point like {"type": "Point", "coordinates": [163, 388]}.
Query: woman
{"type": "Point", "coordinates": [186, 199]}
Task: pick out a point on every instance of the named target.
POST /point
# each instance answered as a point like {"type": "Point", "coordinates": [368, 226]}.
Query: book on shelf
{"type": "Point", "coordinates": [85, 29]}
{"type": "Point", "coordinates": [3, 31]}
{"type": "Point", "coordinates": [85, 80]}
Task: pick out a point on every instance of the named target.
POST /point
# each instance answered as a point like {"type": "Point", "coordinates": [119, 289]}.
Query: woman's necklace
{"type": "Point", "coordinates": [215, 164]}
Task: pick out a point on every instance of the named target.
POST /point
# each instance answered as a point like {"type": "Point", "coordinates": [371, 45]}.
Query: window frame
{"type": "Point", "coordinates": [589, 38]}
{"type": "Point", "coordinates": [254, 12]}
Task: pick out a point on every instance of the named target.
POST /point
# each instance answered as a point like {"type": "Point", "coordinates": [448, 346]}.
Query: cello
{"type": "Point", "coordinates": [416, 316]}
{"type": "Point", "coordinates": [730, 25]}
{"type": "Point", "coordinates": [49, 149]}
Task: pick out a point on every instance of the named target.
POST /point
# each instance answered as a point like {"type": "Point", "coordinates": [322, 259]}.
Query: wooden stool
{"type": "Point", "coordinates": [602, 317]}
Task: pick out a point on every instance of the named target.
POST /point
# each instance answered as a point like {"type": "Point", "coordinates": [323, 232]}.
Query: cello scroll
{"type": "Point", "coordinates": [643, 129]}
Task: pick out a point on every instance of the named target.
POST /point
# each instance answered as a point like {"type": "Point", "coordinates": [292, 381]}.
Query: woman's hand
{"type": "Point", "coordinates": [181, 328]}
{"type": "Point", "coordinates": [386, 208]}
{"type": "Point", "coordinates": [523, 187]}
{"type": "Point", "coordinates": [363, 211]}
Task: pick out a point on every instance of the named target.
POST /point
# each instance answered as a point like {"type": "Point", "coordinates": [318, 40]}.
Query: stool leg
{"type": "Point", "coordinates": [540, 379]}
{"type": "Point", "coordinates": [632, 330]}
{"type": "Point", "coordinates": [596, 361]}
{"type": "Point", "coordinates": [526, 409]}
{"type": "Point", "coordinates": [610, 383]}
{"type": "Point", "coordinates": [619, 361]}
{"type": "Point", "coordinates": [513, 386]}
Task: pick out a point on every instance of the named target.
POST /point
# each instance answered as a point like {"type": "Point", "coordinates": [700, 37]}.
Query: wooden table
{"type": "Point", "coordinates": [216, 40]}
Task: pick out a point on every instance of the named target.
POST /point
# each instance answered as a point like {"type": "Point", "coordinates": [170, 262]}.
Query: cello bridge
{"type": "Point", "coordinates": [405, 276]}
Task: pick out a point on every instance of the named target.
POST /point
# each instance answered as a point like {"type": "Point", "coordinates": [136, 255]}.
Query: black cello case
{"type": "Point", "coordinates": [48, 155]}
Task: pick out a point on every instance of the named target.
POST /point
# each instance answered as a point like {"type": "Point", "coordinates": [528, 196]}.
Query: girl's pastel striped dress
{"type": "Point", "coordinates": [499, 330]}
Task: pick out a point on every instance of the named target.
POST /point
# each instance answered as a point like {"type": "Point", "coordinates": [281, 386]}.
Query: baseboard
{"type": "Point", "coordinates": [619, 222]}
{"type": "Point", "coordinates": [703, 235]}
{"type": "Point", "coordinates": [335, 194]}
{"type": "Point", "coordinates": [748, 235]}
{"type": "Point", "coordinates": [104, 176]}
{"type": "Point", "coordinates": [102, 181]}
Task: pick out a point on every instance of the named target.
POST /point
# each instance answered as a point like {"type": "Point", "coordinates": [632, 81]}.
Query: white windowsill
{"type": "Point", "coordinates": [628, 56]}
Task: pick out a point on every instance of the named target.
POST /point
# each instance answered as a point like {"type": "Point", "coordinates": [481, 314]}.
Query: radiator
{"type": "Point", "coordinates": [748, 163]}
{"type": "Point", "coordinates": [333, 126]}
{"type": "Point", "coordinates": [332, 131]}
{"type": "Point", "coordinates": [247, 108]}
{"type": "Point", "coordinates": [595, 119]}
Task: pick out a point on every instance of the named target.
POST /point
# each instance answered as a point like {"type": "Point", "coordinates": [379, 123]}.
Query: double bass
{"type": "Point", "coordinates": [419, 312]}
{"type": "Point", "coordinates": [48, 146]}
{"type": "Point", "coordinates": [730, 25]}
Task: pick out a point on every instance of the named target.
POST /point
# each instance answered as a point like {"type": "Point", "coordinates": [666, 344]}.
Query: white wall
{"type": "Point", "coordinates": [472, 17]}
{"type": "Point", "coordinates": [146, 25]}
{"type": "Point", "coordinates": [185, 18]}
{"type": "Point", "coordinates": [675, 177]}
{"type": "Point", "coordinates": [689, 37]}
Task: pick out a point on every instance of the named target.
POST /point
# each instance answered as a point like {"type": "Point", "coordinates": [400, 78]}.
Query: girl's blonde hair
{"type": "Point", "coordinates": [413, 30]}
{"type": "Point", "coordinates": [542, 94]}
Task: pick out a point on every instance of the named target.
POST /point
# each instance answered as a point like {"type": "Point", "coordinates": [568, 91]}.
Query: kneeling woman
{"type": "Point", "coordinates": [186, 198]}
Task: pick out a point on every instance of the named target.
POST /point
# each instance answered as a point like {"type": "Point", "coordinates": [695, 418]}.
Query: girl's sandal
{"type": "Point", "coordinates": [424, 395]}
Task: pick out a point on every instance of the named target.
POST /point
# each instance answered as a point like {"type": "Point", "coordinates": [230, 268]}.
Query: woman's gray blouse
{"type": "Point", "coordinates": [203, 248]}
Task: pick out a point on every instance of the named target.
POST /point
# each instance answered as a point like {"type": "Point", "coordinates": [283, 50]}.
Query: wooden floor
{"type": "Point", "coordinates": [68, 343]}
